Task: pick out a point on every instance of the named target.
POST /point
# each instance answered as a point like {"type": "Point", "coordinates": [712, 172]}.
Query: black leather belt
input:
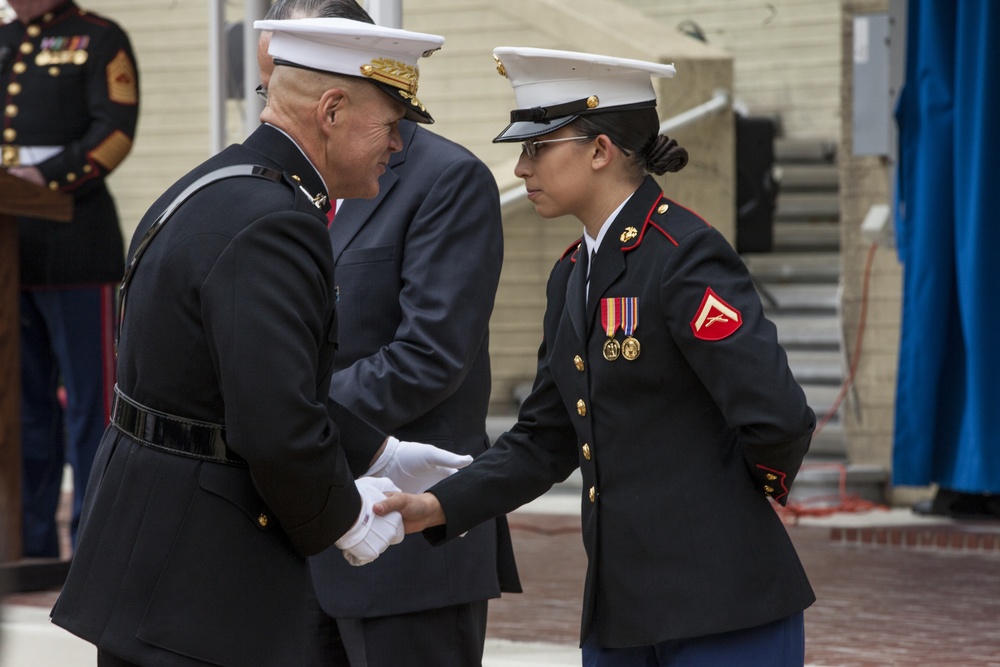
{"type": "Point", "coordinates": [177, 435]}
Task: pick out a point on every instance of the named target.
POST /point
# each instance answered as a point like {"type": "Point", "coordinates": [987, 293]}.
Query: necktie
{"type": "Point", "coordinates": [593, 253]}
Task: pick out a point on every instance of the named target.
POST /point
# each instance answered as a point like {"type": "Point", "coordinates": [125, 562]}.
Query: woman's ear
{"type": "Point", "coordinates": [603, 148]}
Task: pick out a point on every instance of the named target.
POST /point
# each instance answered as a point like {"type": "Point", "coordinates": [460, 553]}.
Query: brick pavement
{"type": "Point", "coordinates": [877, 604]}
{"type": "Point", "coordinates": [933, 600]}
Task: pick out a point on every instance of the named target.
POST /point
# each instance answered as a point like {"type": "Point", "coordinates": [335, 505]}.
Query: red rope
{"type": "Point", "coordinates": [856, 357]}
{"type": "Point", "coordinates": [818, 506]}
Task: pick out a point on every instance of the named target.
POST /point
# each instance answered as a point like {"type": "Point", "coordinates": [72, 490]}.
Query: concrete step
{"type": "Point", "coordinates": [799, 298]}
{"type": "Point", "coordinates": [829, 443]}
{"type": "Point", "coordinates": [806, 236]}
{"type": "Point", "coordinates": [820, 177]}
{"type": "Point", "coordinates": [821, 398]}
{"type": "Point", "coordinates": [807, 207]}
{"type": "Point", "coordinates": [822, 367]}
{"type": "Point", "coordinates": [794, 267]}
{"type": "Point", "coordinates": [812, 332]}
{"type": "Point", "coordinates": [788, 150]}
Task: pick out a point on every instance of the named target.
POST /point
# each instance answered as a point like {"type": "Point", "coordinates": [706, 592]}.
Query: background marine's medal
{"type": "Point", "coordinates": [611, 349]}
{"type": "Point", "coordinates": [630, 310]}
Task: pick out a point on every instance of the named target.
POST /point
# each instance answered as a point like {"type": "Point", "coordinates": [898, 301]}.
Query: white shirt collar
{"type": "Point", "coordinates": [303, 155]}
{"type": "Point", "coordinates": [593, 245]}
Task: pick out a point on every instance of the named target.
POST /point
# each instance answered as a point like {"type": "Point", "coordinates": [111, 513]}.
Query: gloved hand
{"type": "Point", "coordinates": [414, 467]}
{"type": "Point", "coordinates": [371, 534]}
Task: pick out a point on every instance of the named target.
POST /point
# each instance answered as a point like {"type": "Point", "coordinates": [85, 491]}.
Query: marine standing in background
{"type": "Point", "coordinates": [71, 100]}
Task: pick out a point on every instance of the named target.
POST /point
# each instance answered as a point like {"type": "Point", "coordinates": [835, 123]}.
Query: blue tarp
{"type": "Point", "coordinates": [947, 425]}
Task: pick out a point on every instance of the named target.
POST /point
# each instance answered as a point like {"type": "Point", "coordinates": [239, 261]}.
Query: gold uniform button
{"type": "Point", "coordinates": [771, 477]}
{"type": "Point", "coordinates": [49, 16]}
{"type": "Point", "coordinates": [581, 408]}
{"type": "Point", "coordinates": [10, 134]}
{"type": "Point", "coordinates": [34, 31]}
{"type": "Point", "coordinates": [768, 489]}
{"type": "Point", "coordinates": [663, 208]}
{"type": "Point", "coordinates": [70, 177]}
{"type": "Point", "coordinates": [578, 362]}
{"type": "Point", "coordinates": [10, 110]}
{"type": "Point", "coordinates": [27, 47]}
{"type": "Point", "coordinates": [14, 88]}
{"type": "Point", "coordinates": [87, 169]}
{"type": "Point", "coordinates": [53, 185]}
{"type": "Point", "coordinates": [53, 71]}
{"type": "Point", "coordinates": [262, 520]}
{"type": "Point", "coordinates": [586, 451]}
{"type": "Point", "coordinates": [593, 494]}
{"type": "Point", "coordinates": [19, 68]}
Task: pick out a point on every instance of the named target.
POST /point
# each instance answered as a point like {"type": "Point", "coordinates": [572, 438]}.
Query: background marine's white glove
{"type": "Point", "coordinates": [414, 467]}
{"type": "Point", "coordinates": [371, 534]}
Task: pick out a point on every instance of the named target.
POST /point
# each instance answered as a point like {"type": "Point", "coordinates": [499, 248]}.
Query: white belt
{"type": "Point", "coordinates": [28, 156]}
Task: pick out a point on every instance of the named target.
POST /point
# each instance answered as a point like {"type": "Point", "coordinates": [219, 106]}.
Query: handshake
{"type": "Point", "coordinates": [410, 467]}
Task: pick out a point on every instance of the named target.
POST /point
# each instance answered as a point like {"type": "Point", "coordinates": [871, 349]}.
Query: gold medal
{"type": "Point", "coordinates": [612, 349]}
{"type": "Point", "coordinates": [630, 348]}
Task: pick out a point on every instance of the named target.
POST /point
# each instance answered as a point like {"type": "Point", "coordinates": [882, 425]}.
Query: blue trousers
{"type": "Point", "coordinates": [67, 340]}
{"type": "Point", "coordinates": [777, 644]}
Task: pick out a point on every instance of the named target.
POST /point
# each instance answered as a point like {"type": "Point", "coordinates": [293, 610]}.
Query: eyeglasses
{"type": "Point", "coordinates": [261, 92]}
{"type": "Point", "coordinates": [530, 147]}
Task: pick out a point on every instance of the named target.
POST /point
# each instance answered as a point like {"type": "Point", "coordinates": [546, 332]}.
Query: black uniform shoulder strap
{"type": "Point", "coordinates": [212, 177]}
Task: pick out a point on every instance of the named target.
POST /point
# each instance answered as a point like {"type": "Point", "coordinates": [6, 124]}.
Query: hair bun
{"type": "Point", "coordinates": [665, 155]}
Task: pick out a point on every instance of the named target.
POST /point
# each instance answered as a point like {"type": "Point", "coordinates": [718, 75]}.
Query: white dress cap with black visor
{"type": "Point", "coordinates": [385, 56]}
{"type": "Point", "coordinates": [552, 88]}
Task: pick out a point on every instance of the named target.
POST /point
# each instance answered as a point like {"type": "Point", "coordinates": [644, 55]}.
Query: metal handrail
{"type": "Point", "coordinates": [718, 102]}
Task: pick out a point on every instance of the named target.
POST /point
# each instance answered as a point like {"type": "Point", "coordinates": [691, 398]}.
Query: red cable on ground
{"type": "Point", "coordinates": [856, 357]}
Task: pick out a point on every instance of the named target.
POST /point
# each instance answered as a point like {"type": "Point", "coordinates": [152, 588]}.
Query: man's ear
{"type": "Point", "coordinates": [330, 103]}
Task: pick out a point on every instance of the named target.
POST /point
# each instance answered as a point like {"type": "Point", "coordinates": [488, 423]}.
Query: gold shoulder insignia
{"type": "Point", "coordinates": [122, 83]}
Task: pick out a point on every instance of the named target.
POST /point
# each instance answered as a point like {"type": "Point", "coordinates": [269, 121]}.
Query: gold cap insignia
{"type": "Point", "coordinates": [396, 74]}
{"type": "Point", "coordinates": [593, 102]}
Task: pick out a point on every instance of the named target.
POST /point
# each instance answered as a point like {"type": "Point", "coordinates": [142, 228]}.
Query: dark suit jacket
{"type": "Point", "coordinates": [678, 448]}
{"type": "Point", "coordinates": [417, 271]}
{"type": "Point", "coordinates": [229, 320]}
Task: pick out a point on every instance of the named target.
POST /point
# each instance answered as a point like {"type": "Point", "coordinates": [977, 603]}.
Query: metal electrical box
{"type": "Point", "coordinates": [873, 93]}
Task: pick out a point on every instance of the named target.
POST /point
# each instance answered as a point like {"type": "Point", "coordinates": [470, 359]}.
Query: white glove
{"type": "Point", "coordinates": [414, 467]}
{"type": "Point", "coordinates": [371, 534]}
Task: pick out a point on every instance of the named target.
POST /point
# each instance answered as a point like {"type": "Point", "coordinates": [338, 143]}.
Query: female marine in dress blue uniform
{"type": "Point", "coordinates": [659, 377]}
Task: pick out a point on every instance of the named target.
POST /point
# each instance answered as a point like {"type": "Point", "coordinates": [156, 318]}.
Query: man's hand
{"type": "Point", "coordinates": [415, 467]}
{"type": "Point", "coordinates": [418, 511]}
{"type": "Point", "coordinates": [372, 533]}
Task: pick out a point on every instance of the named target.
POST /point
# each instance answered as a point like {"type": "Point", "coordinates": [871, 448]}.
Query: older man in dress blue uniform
{"type": "Point", "coordinates": [226, 463]}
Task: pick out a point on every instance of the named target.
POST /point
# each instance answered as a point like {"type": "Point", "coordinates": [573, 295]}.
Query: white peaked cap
{"type": "Point", "coordinates": [385, 56]}
{"type": "Point", "coordinates": [552, 88]}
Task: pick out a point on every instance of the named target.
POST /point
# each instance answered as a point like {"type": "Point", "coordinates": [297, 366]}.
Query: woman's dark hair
{"type": "Point", "coordinates": [637, 133]}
